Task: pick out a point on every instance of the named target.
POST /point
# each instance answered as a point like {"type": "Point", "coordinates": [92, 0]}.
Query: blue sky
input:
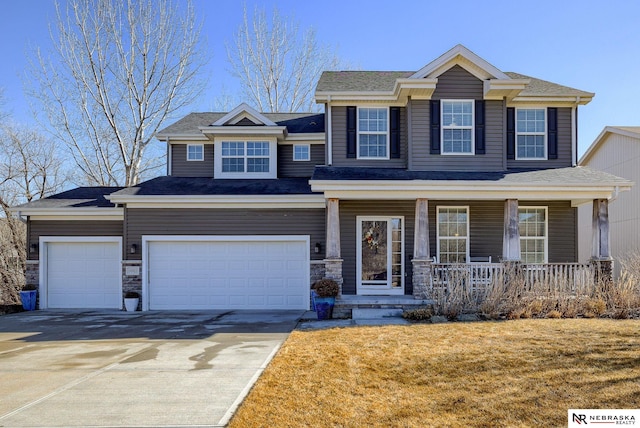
{"type": "Point", "coordinates": [588, 45]}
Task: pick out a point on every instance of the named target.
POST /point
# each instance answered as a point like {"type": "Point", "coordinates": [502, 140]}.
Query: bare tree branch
{"type": "Point", "coordinates": [278, 69]}
{"type": "Point", "coordinates": [118, 70]}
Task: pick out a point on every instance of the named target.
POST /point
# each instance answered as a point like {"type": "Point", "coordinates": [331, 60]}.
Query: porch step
{"type": "Point", "coordinates": [371, 314]}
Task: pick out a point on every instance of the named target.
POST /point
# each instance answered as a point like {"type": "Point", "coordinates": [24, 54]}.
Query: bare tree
{"type": "Point", "coordinates": [118, 70]}
{"type": "Point", "coordinates": [278, 69]}
{"type": "Point", "coordinates": [30, 168]}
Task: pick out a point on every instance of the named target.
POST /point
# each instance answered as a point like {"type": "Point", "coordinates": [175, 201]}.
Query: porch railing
{"type": "Point", "coordinates": [566, 276]}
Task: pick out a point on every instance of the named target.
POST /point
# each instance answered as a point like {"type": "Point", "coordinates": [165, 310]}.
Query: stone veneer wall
{"type": "Point", "coordinates": [32, 272]}
{"type": "Point", "coordinates": [132, 279]}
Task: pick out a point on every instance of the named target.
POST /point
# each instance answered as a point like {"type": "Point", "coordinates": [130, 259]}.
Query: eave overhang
{"type": "Point", "coordinates": [219, 201]}
{"type": "Point", "coordinates": [76, 213]}
{"type": "Point", "coordinates": [498, 89]}
{"type": "Point", "coordinates": [280, 132]}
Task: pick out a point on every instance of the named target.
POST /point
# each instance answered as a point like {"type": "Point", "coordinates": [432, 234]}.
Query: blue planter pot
{"type": "Point", "coordinates": [29, 299]}
{"type": "Point", "coordinates": [314, 295]}
{"type": "Point", "coordinates": [324, 307]}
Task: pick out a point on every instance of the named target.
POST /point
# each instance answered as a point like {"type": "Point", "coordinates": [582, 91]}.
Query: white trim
{"type": "Point", "coordinates": [43, 257]}
{"type": "Point", "coordinates": [388, 132]}
{"type": "Point", "coordinates": [363, 289]}
{"type": "Point", "coordinates": [221, 201]}
{"type": "Point", "coordinates": [443, 128]}
{"type": "Point", "coordinates": [243, 108]}
{"type": "Point", "coordinates": [468, 237]}
{"type": "Point", "coordinates": [181, 138]}
{"type": "Point", "coordinates": [308, 146]}
{"type": "Point", "coordinates": [309, 138]}
{"type": "Point", "coordinates": [246, 131]}
{"type": "Point", "coordinates": [217, 159]}
{"type": "Point", "coordinates": [75, 213]}
{"type": "Point", "coordinates": [574, 141]}
{"type": "Point", "coordinates": [544, 134]}
{"type": "Point", "coordinates": [546, 229]}
{"type": "Point", "coordinates": [201, 146]}
{"type": "Point", "coordinates": [329, 147]}
{"type": "Point", "coordinates": [74, 218]}
{"type": "Point", "coordinates": [454, 56]}
{"type": "Point", "coordinates": [146, 239]}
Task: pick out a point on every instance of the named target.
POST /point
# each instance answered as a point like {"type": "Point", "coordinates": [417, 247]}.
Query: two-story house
{"type": "Point", "coordinates": [455, 163]}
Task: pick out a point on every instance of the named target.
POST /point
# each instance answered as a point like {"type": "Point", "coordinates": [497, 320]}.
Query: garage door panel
{"type": "Point", "coordinates": [83, 275]}
{"type": "Point", "coordinates": [250, 274]}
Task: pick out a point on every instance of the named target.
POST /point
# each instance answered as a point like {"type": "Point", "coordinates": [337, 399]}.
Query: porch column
{"type": "Point", "coordinates": [333, 260]}
{"type": "Point", "coordinates": [601, 242]}
{"type": "Point", "coordinates": [511, 237]}
{"type": "Point", "coordinates": [421, 260]}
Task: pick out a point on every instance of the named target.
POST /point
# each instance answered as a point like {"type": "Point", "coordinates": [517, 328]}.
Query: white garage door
{"type": "Point", "coordinates": [260, 274]}
{"type": "Point", "coordinates": [83, 275]}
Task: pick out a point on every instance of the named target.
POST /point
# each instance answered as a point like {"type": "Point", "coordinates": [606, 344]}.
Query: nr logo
{"type": "Point", "coordinates": [579, 419]}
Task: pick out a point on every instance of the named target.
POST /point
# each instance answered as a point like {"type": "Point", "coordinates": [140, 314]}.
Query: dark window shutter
{"type": "Point", "coordinates": [351, 132]}
{"type": "Point", "coordinates": [552, 133]}
{"type": "Point", "coordinates": [394, 127]}
{"type": "Point", "coordinates": [480, 146]}
{"type": "Point", "coordinates": [435, 126]}
{"type": "Point", "coordinates": [511, 133]}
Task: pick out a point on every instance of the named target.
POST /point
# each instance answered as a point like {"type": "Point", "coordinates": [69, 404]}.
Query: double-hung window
{"type": "Point", "coordinates": [301, 152]}
{"type": "Point", "coordinates": [531, 133]}
{"type": "Point", "coordinates": [195, 152]}
{"type": "Point", "coordinates": [373, 134]}
{"type": "Point", "coordinates": [245, 156]}
{"type": "Point", "coordinates": [533, 234]}
{"type": "Point", "coordinates": [453, 234]}
{"type": "Point", "coordinates": [457, 126]}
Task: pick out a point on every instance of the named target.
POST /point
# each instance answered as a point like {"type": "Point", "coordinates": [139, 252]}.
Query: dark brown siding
{"type": "Point", "coordinates": [40, 228]}
{"type": "Point", "coordinates": [149, 221]}
{"type": "Point", "coordinates": [349, 210]}
{"type": "Point", "coordinates": [486, 228]}
{"type": "Point", "coordinates": [183, 168]}
{"type": "Point", "coordinates": [564, 146]}
{"type": "Point", "coordinates": [339, 141]}
{"type": "Point", "coordinates": [492, 160]}
{"type": "Point", "coordinates": [288, 168]}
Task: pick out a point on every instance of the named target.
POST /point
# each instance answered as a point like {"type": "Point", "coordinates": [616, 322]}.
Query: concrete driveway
{"type": "Point", "coordinates": [143, 369]}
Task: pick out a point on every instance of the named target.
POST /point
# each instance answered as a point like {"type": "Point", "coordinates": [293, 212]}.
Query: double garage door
{"type": "Point", "coordinates": [183, 273]}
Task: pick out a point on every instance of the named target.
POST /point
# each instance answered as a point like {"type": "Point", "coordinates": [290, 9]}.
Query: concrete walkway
{"type": "Point", "coordinates": [143, 369]}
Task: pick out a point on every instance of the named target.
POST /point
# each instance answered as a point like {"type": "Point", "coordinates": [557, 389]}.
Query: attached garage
{"type": "Point", "coordinates": [226, 272]}
{"type": "Point", "coordinates": [81, 272]}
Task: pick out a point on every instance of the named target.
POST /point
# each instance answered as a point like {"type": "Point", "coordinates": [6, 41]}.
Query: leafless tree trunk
{"type": "Point", "coordinates": [118, 70]}
{"type": "Point", "coordinates": [30, 168]}
{"type": "Point", "coordinates": [278, 69]}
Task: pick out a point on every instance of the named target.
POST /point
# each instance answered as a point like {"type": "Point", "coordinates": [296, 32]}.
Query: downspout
{"type": "Point", "coordinates": [328, 137]}
{"type": "Point", "coordinates": [409, 136]}
{"type": "Point", "coordinates": [169, 158]}
{"type": "Point", "coordinates": [574, 133]}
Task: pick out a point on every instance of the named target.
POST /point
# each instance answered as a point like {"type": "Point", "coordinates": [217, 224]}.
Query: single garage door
{"type": "Point", "coordinates": [83, 275]}
{"type": "Point", "coordinates": [229, 274]}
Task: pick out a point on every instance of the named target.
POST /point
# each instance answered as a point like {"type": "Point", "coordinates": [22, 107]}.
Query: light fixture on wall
{"type": "Point", "coordinates": [317, 248]}
{"type": "Point", "coordinates": [33, 248]}
{"type": "Point", "coordinates": [133, 248]}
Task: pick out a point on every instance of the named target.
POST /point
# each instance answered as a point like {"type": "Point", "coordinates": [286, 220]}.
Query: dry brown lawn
{"type": "Point", "coordinates": [486, 374]}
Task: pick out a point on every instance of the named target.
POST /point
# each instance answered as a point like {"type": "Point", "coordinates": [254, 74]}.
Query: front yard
{"type": "Point", "coordinates": [485, 374]}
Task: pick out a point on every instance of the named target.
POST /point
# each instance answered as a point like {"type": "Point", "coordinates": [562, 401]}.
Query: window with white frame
{"type": "Point", "coordinates": [531, 133]}
{"type": "Point", "coordinates": [373, 135]}
{"type": "Point", "coordinates": [245, 156]}
{"type": "Point", "coordinates": [457, 126]}
{"type": "Point", "coordinates": [453, 234]}
{"type": "Point", "coordinates": [533, 234]}
{"type": "Point", "coordinates": [195, 152]}
{"type": "Point", "coordinates": [301, 152]}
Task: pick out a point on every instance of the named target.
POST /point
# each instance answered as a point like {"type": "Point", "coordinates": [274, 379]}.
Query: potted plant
{"type": "Point", "coordinates": [131, 300]}
{"type": "Point", "coordinates": [327, 290]}
{"type": "Point", "coordinates": [28, 296]}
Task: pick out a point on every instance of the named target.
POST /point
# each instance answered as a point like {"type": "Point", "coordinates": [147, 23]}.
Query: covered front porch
{"type": "Point", "coordinates": [403, 238]}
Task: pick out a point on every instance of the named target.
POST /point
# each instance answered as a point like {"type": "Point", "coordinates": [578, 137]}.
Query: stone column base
{"type": "Point", "coordinates": [333, 270]}
{"type": "Point", "coordinates": [421, 278]}
{"type": "Point", "coordinates": [32, 272]}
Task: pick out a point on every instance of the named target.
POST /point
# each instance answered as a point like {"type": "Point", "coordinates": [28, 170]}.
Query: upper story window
{"type": "Point", "coordinates": [531, 133]}
{"type": "Point", "coordinates": [457, 126]}
{"type": "Point", "coordinates": [373, 134]}
{"type": "Point", "coordinates": [195, 152]}
{"type": "Point", "coordinates": [245, 159]}
{"type": "Point", "coordinates": [301, 152]}
{"type": "Point", "coordinates": [532, 222]}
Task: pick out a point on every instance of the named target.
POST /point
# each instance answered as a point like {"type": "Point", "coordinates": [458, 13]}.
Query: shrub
{"type": "Point", "coordinates": [30, 287]}
{"type": "Point", "coordinates": [420, 314]}
{"type": "Point", "coordinates": [131, 295]}
{"type": "Point", "coordinates": [326, 288]}
{"type": "Point", "coordinates": [554, 314]}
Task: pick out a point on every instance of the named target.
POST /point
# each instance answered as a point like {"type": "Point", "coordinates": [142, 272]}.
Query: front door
{"type": "Point", "coordinates": [380, 255]}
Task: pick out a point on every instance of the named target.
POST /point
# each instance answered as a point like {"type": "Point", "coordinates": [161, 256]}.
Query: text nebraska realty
{"type": "Point", "coordinates": [605, 419]}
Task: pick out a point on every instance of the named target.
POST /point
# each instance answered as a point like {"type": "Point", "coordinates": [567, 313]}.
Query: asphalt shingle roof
{"type": "Point", "coordinates": [81, 197]}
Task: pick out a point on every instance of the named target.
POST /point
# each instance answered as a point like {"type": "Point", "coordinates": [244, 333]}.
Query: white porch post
{"type": "Point", "coordinates": [333, 259]}
{"type": "Point", "coordinates": [600, 248]}
{"type": "Point", "coordinates": [421, 277]}
{"type": "Point", "coordinates": [511, 237]}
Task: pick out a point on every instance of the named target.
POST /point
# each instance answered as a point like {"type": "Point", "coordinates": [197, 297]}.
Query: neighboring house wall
{"type": "Point", "coordinates": [183, 168]}
{"type": "Point", "coordinates": [618, 155]}
{"type": "Point", "coordinates": [203, 221]}
{"type": "Point", "coordinates": [40, 228]}
{"type": "Point", "coordinates": [339, 142]}
{"type": "Point", "coordinates": [287, 167]}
